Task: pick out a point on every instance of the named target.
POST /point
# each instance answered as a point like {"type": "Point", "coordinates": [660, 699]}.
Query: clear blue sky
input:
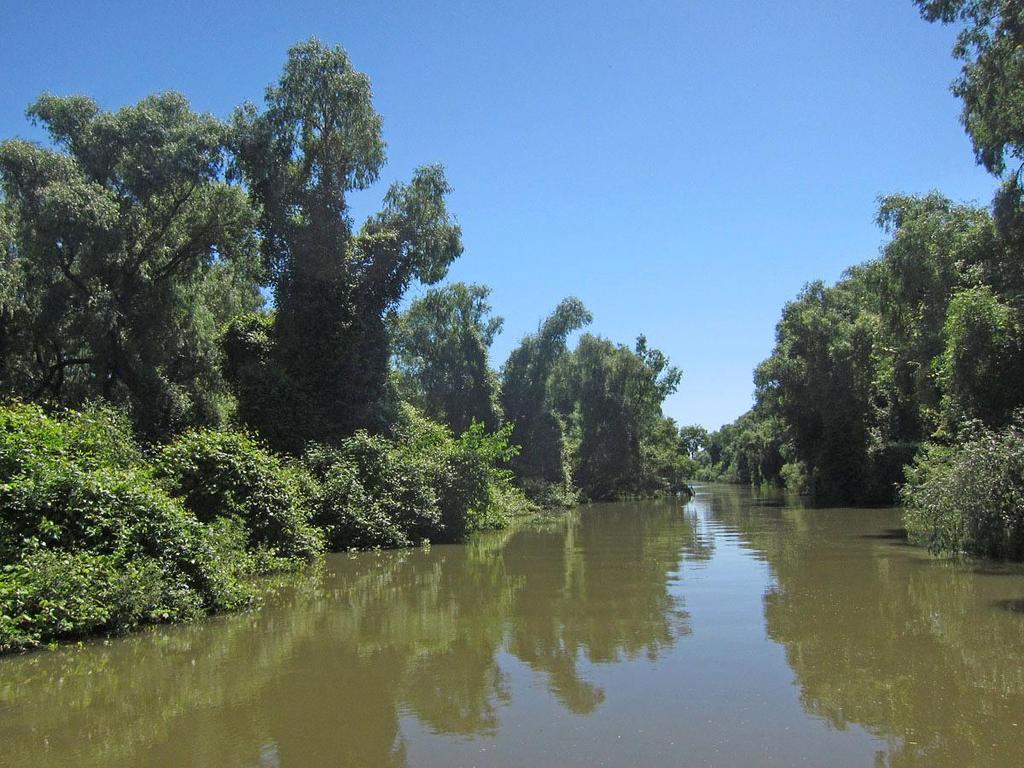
{"type": "Point", "coordinates": [683, 167]}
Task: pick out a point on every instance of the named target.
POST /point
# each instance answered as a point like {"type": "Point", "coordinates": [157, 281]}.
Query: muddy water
{"type": "Point", "coordinates": [735, 630]}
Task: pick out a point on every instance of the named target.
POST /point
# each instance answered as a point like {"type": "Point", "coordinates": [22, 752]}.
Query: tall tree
{"type": "Point", "coordinates": [611, 397]}
{"type": "Point", "coordinates": [818, 380]}
{"type": "Point", "coordinates": [936, 248]}
{"type": "Point", "coordinates": [317, 139]}
{"type": "Point", "coordinates": [125, 252]}
{"type": "Point", "coordinates": [991, 83]}
{"type": "Point", "coordinates": [525, 398]}
{"type": "Point", "coordinates": [441, 345]}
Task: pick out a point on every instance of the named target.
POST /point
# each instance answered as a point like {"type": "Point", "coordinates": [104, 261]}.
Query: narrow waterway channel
{"type": "Point", "coordinates": [735, 630]}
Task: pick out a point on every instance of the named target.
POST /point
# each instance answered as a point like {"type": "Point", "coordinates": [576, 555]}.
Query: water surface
{"type": "Point", "coordinates": [735, 630]}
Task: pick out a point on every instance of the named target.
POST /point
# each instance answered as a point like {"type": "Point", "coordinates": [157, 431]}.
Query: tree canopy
{"type": "Point", "coordinates": [126, 250]}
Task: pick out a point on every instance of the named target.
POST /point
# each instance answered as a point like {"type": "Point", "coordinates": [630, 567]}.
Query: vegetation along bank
{"type": "Point", "coordinates": [209, 374]}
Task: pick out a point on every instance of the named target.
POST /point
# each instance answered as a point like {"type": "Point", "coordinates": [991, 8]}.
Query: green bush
{"type": "Point", "coordinates": [424, 484]}
{"type": "Point", "coordinates": [794, 477]}
{"type": "Point", "coordinates": [229, 475]}
{"type": "Point", "coordinates": [372, 497]}
{"type": "Point", "coordinates": [970, 498]}
{"type": "Point", "coordinates": [116, 512]}
{"type": "Point", "coordinates": [64, 595]}
{"type": "Point", "coordinates": [95, 437]}
{"type": "Point", "coordinates": [89, 542]}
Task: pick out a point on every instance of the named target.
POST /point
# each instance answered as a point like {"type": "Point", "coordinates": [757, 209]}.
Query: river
{"type": "Point", "coordinates": [735, 630]}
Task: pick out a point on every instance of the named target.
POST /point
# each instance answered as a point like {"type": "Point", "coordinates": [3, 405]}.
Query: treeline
{"type": "Point", "coordinates": [915, 358]}
{"type": "Point", "coordinates": [209, 374]}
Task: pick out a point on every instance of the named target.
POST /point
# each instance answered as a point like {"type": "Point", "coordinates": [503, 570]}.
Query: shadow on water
{"type": "Point", "coordinates": [330, 666]}
{"type": "Point", "coordinates": [925, 653]}
{"type": "Point", "coordinates": [890, 534]}
{"type": "Point", "coordinates": [1013, 606]}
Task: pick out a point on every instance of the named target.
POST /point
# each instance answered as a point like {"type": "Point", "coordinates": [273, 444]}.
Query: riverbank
{"type": "Point", "coordinates": [100, 536]}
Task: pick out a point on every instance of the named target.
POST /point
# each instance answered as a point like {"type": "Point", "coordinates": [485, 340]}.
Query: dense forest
{"type": "Point", "coordinates": [904, 378]}
{"type": "Point", "coordinates": [211, 373]}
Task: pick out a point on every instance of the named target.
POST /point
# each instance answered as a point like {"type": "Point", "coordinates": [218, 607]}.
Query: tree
{"type": "Point", "coordinates": [441, 345]}
{"type": "Point", "coordinates": [524, 394]}
{"type": "Point", "coordinates": [936, 248]}
{"type": "Point", "coordinates": [991, 83]}
{"type": "Point", "coordinates": [125, 251]}
{"type": "Point", "coordinates": [694, 439]}
{"type": "Point", "coordinates": [611, 397]}
{"type": "Point", "coordinates": [318, 139]}
{"type": "Point", "coordinates": [982, 364]}
{"type": "Point", "coordinates": [818, 380]}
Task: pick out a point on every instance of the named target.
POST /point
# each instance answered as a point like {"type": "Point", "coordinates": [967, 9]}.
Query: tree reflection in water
{"type": "Point", "coordinates": [327, 669]}
{"type": "Point", "coordinates": [917, 650]}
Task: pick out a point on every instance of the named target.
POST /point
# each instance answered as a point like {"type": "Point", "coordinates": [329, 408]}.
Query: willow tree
{"type": "Point", "coordinates": [124, 251]}
{"type": "Point", "coordinates": [317, 139]}
{"type": "Point", "coordinates": [525, 397]}
{"type": "Point", "coordinates": [991, 83]}
{"type": "Point", "coordinates": [610, 396]}
{"type": "Point", "coordinates": [442, 344]}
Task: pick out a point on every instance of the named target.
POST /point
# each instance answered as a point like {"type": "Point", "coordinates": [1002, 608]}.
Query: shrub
{"type": "Point", "coordinates": [121, 513]}
{"type": "Point", "coordinates": [794, 476]}
{"type": "Point", "coordinates": [89, 542]}
{"type": "Point", "coordinates": [60, 595]}
{"type": "Point", "coordinates": [372, 497]}
{"type": "Point", "coordinates": [424, 484]}
{"type": "Point", "coordinates": [229, 475]}
{"type": "Point", "coordinates": [970, 498]}
{"type": "Point", "coordinates": [95, 437]}
{"type": "Point", "coordinates": [474, 493]}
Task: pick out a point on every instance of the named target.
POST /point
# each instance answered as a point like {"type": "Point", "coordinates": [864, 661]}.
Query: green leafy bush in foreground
{"type": "Point", "coordinates": [230, 475]}
{"type": "Point", "coordinates": [95, 539]}
{"type": "Point", "coordinates": [969, 498]}
{"type": "Point", "coordinates": [371, 497]}
{"type": "Point", "coordinates": [90, 542]}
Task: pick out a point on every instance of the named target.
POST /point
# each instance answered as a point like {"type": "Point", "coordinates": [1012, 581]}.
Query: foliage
{"type": "Point", "coordinates": [58, 594]}
{"type": "Point", "coordinates": [525, 399]}
{"type": "Point", "coordinates": [441, 349]}
{"type": "Point", "coordinates": [818, 382]}
{"type": "Point", "coordinates": [325, 357]}
{"type": "Point", "coordinates": [421, 485]}
{"type": "Point", "coordinates": [982, 365]}
{"type": "Point", "coordinates": [904, 348]}
{"type": "Point", "coordinates": [96, 437]}
{"type": "Point", "coordinates": [71, 493]}
{"type": "Point", "coordinates": [126, 250]}
{"type": "Point", "coordinates": [990, 81]}
{"type": "Point", "coordinates": [752, 450]}
{"type": "Point", "coordinates": [229, 474]}
{"type": "Point", "coordinates": [969, 497]}
{"type": "Point", "coordinates": [665, 460]}
{"type": "Point", "coordinates": [370, 498]}
{"type": "Point", "coordinates": [611, 396]}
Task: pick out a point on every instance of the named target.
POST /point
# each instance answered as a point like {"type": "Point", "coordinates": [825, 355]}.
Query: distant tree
{"type": "Point", "coordinates": [611, 396]}
{"type": "Point", "coordinates": [524, 394]}
{"type": "Point", "coordinates": [694, 439]}
{"type": "Point", "coordinates": [318, 139]}
{"type": "Point", "coordinates": [441, 345]}
{"type": "Point", "coordinates": [124, 252]}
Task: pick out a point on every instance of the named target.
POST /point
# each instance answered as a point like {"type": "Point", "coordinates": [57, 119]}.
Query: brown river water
{"type": "Point", "coordinates": [735, 630]}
